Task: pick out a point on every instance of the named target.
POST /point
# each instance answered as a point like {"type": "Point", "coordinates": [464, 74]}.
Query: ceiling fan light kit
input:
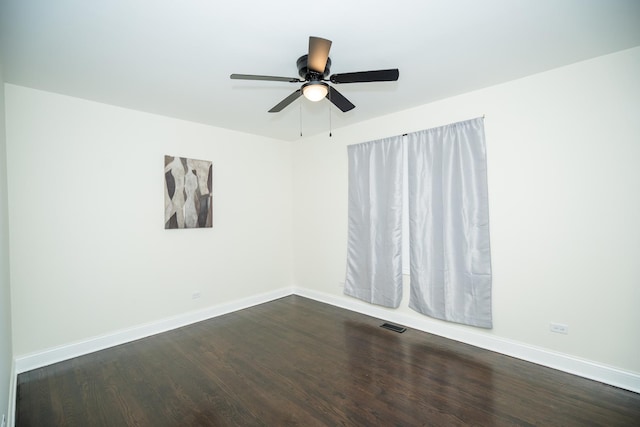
{"type": "Point", "coordinates": [315, 91]}
{"type": "Point", "coordinates": [314, 68]}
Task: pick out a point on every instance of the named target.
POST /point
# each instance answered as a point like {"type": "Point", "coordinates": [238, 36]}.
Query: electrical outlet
{"type": "Point", "coordinates": [559, 328]}
{"type": "Point", "coordinates": [196, 295]}
{"type": "Point", "coordinates": [341, 284]}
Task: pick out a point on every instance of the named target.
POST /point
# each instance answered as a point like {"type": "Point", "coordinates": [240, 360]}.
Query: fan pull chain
{"type": "Point", "coordinates": [300, 104]}
{"type": "Point", "coordinates": [330, 115]}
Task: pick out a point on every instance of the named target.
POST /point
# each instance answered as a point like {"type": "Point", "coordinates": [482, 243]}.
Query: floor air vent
{"type": "Point", "coordinates": [394, 328]}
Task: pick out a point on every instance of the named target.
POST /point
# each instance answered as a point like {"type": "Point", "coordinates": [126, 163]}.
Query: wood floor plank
{"type": "Point", "coordinates": [295, 361]}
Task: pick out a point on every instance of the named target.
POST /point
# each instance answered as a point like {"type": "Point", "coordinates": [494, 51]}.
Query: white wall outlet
{"type": "Point", "coordinates": [341, 284]}
{"type": "Point", "coordinates": [559, 328]}
{"type": "Point", "coordinates": [196, 295]}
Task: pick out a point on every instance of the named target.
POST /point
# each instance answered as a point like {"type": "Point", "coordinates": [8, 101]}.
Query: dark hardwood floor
{"type": "Point", "coordinates": [295, 361]}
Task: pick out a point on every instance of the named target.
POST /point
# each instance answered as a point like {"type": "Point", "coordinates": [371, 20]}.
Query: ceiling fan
{"type": "Point", "coordinates": [313, 69]}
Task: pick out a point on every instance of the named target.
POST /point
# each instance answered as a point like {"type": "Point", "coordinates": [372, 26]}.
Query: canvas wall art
{"type": "Point", "coordinates": [188, 193]}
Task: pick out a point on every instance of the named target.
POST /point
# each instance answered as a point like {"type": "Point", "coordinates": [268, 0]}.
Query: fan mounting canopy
{"type": "Point", "coordinates": [306, 74]}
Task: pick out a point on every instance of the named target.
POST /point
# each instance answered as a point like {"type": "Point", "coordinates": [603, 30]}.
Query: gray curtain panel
{"type": "Point", "coordinates": [374, 245]}
{"type": "Point", "coordinates": [449, 223]}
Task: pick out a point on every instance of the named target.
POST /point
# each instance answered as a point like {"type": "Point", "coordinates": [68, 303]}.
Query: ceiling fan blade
{"type": "Point", "coordinates": [318, 54]}
{"type": "Point", "coordinates": [339, 100]}
{"type": "Point", "coordinates": [265, 78]}
{"type": "Point", "coordinates": [285, 102]}
{"type": "Point", "coordinates": [390, 75]}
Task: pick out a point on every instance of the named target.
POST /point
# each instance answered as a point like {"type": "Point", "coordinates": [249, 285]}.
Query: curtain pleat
{"type": "Point", "coordinates": [449, 223]}
{"type": "Point", "coordinates": [374, 244]}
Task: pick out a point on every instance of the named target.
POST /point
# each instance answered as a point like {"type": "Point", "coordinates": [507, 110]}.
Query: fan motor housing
{"type": "Point", "coordinates": [305, 73]}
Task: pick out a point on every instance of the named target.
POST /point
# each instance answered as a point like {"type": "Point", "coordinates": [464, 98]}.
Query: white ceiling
{"type": "Point", "coordinates": [174, 57]}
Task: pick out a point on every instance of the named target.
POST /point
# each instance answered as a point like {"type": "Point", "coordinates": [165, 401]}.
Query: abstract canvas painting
{"type": "Point", "coordinates": [188, 193]}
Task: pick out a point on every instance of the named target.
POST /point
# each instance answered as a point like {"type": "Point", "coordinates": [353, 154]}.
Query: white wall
{"type": "Point", "coordinates": [563, 158]}
{"type": "Point", "coordinates": [89, 253]}
{"type": "Point", "coordinates": [6, 352]}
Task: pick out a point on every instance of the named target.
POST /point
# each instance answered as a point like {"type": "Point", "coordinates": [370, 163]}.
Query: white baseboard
{"type": "Point", "coordinates": [11, 413]}
{"type": "Point", "coordinates": [563, 362]}
{"type": "Point", "coordinates": [57, 354]}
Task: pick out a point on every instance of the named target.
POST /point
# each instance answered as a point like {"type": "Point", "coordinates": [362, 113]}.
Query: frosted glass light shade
{"type": "Point", "coordinates": [315, 91]}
